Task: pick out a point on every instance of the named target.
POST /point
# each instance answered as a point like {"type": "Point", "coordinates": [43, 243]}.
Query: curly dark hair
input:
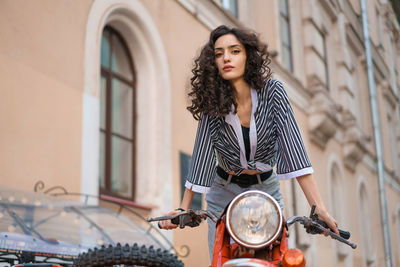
{"type": "Point", "coordinates": [210, 93]}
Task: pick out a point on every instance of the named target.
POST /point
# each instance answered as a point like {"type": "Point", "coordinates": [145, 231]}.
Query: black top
{"type": "Point", "coordinates": [246, 140]}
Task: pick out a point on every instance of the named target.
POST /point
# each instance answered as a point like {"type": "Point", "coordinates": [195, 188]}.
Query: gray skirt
{"type": "Point", "coordinates": [221, 193]}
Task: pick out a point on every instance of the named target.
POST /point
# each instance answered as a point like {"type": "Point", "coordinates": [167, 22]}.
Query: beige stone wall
{"type": "Point", "coordinates": [41, 64]}
{"type": "Point", "coordinates": [182, 35]}
{"type": "Point", "coordinates": [42, 68]}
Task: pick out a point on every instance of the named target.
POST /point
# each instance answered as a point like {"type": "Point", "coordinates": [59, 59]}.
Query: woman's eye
{"type": "Point", "coordinates": [218, 55]}
{"type": "Point", "coordinates": [236, 51]}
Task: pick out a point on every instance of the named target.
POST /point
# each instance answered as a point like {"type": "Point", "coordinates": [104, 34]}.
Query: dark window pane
{"type": "Point", "coordinates": [286, 45]}
{"type": "Point", "coordinates": [231, 6]}
{"type": "Point", "coordinates": [185, 165]}
{"type": "Point", "coordinates": [286, 57]}
{"type": "Point", "coordinates": [122, 108]}
{"type": "Point", "coordinates": [325, 58]}
{"type": "Point", "coordinates": [283, 7]}
{"type": "Point", "coordinates": [105, 50]}
{"type": "Point", "coordinates": [285, 33]}
{"type": "Point", "coordinates": [102, 161]}
{"type": "Point", "coordinates": [116, 167]}
{"type": "Point", "coordinates": [121, 177]}
{"type": "Point", "coordinates": [103, 102]}
{"type": "Point", "coordinates": [120, 59]}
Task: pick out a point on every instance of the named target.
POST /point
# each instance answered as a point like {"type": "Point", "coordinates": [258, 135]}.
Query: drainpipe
{"type": "Point", "coordinates": [378, 139]}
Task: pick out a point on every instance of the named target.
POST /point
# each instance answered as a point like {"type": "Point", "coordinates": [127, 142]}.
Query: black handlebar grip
{"type": "Point", "coordinates": [344, 234]}
{"type": "Point", "coordinates": [175, 220]}
{"type": "Point", "coordinates": [182, 220]}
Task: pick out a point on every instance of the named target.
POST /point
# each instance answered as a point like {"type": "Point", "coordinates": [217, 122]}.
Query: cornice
{"type": "Point", "coordinates": [330, 9]}
{"type": "Point", "coordinates": [354, 39]}
{"type": "Point", "coordinates": [353, 19]}
{"type": "Point", "coordinates": [381, 68]}
{"type": "Point", "coordinates": [389, 93]}
{"type": "Point", "coordinates": [391, 18]}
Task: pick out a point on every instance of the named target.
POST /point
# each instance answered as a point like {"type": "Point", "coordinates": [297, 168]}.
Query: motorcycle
{"type": "Point", "coordinates": [252, 232]}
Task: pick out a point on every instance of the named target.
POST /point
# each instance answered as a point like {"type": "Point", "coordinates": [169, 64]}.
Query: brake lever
{"type": "Point", "coordinates": [313, 227]}
{"type": "Point", "coordinates": [314, 217]}
{"type": "Point", "coordinates": [189, 217]}
{"type": "Point", "coordinates": [332, 234]}
{"type": "Point", "coordinates": [314, 222]}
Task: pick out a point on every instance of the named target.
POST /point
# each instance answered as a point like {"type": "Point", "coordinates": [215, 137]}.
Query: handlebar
{"type": "Point", "coordinates": [189, 217]}
{"type": "Point", "coordinates": [313, 226]}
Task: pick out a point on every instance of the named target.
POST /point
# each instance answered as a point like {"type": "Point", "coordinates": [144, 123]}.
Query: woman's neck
{"type": "Point", "coordinates": [243, 92]}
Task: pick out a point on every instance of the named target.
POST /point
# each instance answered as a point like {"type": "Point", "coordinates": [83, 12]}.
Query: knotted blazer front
{"type": "Point", "coordinates": [274, 139]}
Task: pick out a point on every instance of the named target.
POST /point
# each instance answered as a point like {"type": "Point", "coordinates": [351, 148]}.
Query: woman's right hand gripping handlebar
{"type": "Point", "coordinates": [186, 203]}
{"type": "Point", "coordinates": [167, 224]}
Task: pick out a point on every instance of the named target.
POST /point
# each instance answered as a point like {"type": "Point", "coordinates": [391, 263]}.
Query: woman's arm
{"type": "Point", "coordinates": [187, 199]}
{"type": "Point", "coordinates": [311, 192]}
{"type": "Point", "coordinates": [185, 204]}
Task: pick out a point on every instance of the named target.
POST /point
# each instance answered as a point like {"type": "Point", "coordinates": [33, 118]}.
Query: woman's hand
{"type": "Point", "coordinates": [311, 192]}
{"type": "Point", "coordinates": [186, 202]}
{"type": "Point", "coordinates": [330, 221]}
{"type": "Point", "coordinates": [167, 224]}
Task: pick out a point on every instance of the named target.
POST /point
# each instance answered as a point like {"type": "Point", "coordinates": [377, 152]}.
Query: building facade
{"type": "Point", "coordinates": [94, 96]}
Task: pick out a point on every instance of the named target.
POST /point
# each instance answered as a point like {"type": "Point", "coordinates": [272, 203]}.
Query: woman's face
{"type": "Point", "coordinates": [230, 57]}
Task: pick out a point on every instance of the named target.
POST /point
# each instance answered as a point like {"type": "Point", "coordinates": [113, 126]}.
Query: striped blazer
{"type": "Point", "coordinates": [275, 139]}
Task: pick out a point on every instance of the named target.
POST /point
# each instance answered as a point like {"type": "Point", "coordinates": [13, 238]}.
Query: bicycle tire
{"type": "Point", "coordinates": [127, 255]}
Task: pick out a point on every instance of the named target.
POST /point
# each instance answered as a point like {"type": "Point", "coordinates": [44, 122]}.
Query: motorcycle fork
{"type": "Point", "coordinates": [278, 249]}
{"type": "Point", "coordinates": [223, 251]}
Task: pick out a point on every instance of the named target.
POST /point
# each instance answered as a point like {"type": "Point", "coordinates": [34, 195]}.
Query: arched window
{"type": "Point", "coordinates": [117, 117]}
{"type": "Point", "coordinates": [366, 230]}
{"type": "Point", "coordinates": [338, 202]}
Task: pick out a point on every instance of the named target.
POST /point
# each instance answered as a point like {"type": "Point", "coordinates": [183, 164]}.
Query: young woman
{"type": "Point", "coordinates": [246, 125]}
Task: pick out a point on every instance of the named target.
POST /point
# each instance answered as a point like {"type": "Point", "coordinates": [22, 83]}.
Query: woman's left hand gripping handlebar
{"type": "Point", "coordinates": [328, 219]}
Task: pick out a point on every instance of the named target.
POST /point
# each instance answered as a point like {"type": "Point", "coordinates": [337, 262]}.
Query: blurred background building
{"type": "Point", "coordinates": [93, 97]}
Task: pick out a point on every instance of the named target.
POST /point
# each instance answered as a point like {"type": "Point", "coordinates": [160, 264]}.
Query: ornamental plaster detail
{"type": "Point", "coordinates": [354, 147]}
{"type": "Point", "coordinates": [324, 119]}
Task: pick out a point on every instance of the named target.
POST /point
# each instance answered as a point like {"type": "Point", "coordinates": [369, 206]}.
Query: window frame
{"type": "Point", "coordinates": [367, 237]}
{"type": "Point", "coordinates": [109, 76]}
{"type": "Point", "coordinates": [288, 46]}
{"type": "Point", "coordinates": [325, 60]}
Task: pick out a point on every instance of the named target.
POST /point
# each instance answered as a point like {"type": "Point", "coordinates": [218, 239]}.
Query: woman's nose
{"type": "Point", "coordinates": [227, 57]}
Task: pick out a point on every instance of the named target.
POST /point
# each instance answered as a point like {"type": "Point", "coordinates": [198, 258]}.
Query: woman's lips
{"type": "Point", "coordinates": [227, 68]}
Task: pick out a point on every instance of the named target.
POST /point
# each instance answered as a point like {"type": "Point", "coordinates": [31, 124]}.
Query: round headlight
{"type": "Point", "coordinates": [254, 219]}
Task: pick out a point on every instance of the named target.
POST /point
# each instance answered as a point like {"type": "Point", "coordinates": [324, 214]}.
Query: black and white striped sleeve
{"type": "Point", "coordinates": [292, 158]}
{"type": "Point", "coordinates": [202, 167]}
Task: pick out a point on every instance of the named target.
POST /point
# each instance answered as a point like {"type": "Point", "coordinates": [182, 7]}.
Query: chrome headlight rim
{"type": "Point", "coordinates": [228, 219]}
